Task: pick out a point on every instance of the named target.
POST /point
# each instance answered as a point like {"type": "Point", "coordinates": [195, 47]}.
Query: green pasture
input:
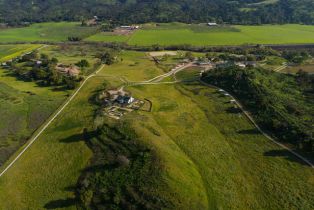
{"type": "Point", "coordinates": [239, 168]}
{"type": "Point", "coordinates": [24, 106]}
{"type": "Point", "coordinates": [201, 35]}
{"type": "Point", "coordinates": [212, 156]}
{"type": "Point", "coordinates": [8, 52]}
{"type": "Point", "coordinates": [52, 32]}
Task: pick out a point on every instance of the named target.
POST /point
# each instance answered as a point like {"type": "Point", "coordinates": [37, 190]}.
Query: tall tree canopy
{"type": "Point", "coordinates": [139, 11]}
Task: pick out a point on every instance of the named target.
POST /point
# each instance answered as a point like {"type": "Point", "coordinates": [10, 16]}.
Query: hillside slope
{"type": "Point", "coordinates": [130, 11]}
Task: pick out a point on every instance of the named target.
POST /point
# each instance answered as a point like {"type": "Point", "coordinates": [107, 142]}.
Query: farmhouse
{"type": "Point", "coordinates": [68, 70]}
{"type": "Point", "coordinates": [123, 100]}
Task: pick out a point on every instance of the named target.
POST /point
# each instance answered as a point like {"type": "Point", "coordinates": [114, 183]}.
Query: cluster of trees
{"type": "Point", "coordinates": [282, 104]}
{"type": "Point", "coordinates": [140, 11]}
{"type": "Point", "coordinates": [124, 173]}
{"type": "Point", "coordinates": [108, 57]}
{"type": "Point", "coordinates": [297, 57]}
{"type": "Point", "coordinates": [42, 69]}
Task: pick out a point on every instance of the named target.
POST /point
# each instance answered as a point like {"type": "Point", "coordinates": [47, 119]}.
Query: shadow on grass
{"type": "Point", "coordinates": [233, 110]}
{"type": "Point", "coordinates": [85, 135]}
{"type": "Point", "coordinates": [249, 131]}
{"type": "Point", "coordinates": [61, 203]}
{"type": "Point", "coordinates": [285, 154]}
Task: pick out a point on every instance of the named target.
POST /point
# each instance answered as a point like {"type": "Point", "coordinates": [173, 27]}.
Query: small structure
{"type": "Point", "coordinates": [130, 27]}
{"type": "Point", "coordinates": [125, 100]}
{"type": "Point", "coordinates": [232, 101]}
{"type": "Point", "coordinates": [117, 103]}
{"type": "Point", "coordinates": [68, 70]}
{"type": "Point", "coordinates": [211, 24]}
{"type": "Point", "coordinates": [251, 63]}
{"type": "Point", "coordinates": [241, 65]}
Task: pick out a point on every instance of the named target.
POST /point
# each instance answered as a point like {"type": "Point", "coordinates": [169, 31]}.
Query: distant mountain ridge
{"type": "Point", "coordinates": [139, 11]}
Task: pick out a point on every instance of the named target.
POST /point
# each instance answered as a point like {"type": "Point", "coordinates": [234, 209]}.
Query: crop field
{"type": "Point", "coordinates": [209, 161]}
{"type": "Point", "coordinates": [24, 106]}
{"type": "Point", "coordinates": [8, 52]}
{"type": "Point", "coordinates": [199, 35]}
{"type": "Point", "coordinates": [52, 32]}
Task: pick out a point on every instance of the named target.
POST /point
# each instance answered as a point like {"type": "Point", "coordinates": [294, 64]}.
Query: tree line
{"type": "Point", "coordinates": [16, 12]}
{"type": "Point", "coordinates": [280, 103]}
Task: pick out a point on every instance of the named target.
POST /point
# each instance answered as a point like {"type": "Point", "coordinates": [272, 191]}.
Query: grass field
{"type": "Point", "coordinates": [24, 106]}
{"type": "Point", "coordinates": [8, 52]}
{"type": "Point", "coordinates": [212, 156]}
{"type": "Point", "coordinates": [52, 32]}
{"type": "Point", "coordinates": [294, 69]}
{"type": "Point", "coordinates": [199, 35]}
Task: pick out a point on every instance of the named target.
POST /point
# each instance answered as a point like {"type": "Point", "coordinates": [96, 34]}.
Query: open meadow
{"type": "Point", "coordinates": [8, 52]}
{"type": "Point", "coordinates": [202, 35]}
{"type": "Point", "coordinates": [24, 106]}
{"type": "Point", "coordinates": [212, 156]}
{"type": "Point", "coordinates": [51, 32]}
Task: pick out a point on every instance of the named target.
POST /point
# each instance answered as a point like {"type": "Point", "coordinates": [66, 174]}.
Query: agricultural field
{"type": "Point", "coordinates": [209, 161]}
{"type": "Point", "coordinates": [200, 35]}
{"type": "Point", "coordinates": [24, 106]}
{"type": "Point", "coordinates": [51, 32]}
{"type": "Point", "coordinates": [8, 52]}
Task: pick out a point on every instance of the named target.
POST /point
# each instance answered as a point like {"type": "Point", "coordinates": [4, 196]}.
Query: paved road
{"type": "Point", "coordinates": [50, 121]}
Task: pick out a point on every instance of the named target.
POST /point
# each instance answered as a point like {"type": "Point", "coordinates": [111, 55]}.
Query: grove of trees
{"type": "Point", "coordinates": [282, 104]}
{"type": "Point", "coordinates": [16, 12]}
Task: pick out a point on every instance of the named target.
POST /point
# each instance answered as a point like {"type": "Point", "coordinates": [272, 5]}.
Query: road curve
{"type": "Point", "coordinates": [247, 114]}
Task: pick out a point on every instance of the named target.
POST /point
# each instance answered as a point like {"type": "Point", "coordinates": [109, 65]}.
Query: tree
{"type": "Point", "coordinates": [107, 58]}
{"type": "Point", "coordinates": [189, 55]}
{"type": "Point", "coordinates": [82, 63]}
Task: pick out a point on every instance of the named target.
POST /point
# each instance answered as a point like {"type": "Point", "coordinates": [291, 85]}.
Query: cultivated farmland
{"type": "Point", "coordinates": [200, 35]}
{"type": "Point", "coordinates": [52, 32]}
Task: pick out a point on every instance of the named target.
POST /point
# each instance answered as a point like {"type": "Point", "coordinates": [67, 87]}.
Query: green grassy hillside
{"type": "Point", "coordinates": [24, 106]}
{"type": "Point", "coordinates": [211, 156]}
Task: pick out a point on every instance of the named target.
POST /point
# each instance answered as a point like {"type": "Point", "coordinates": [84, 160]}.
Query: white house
{"type": "Point", "coordinates": [212, 24]}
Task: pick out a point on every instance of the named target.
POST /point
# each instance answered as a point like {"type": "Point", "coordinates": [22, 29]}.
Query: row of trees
{"type": "Point", "coordinates": [140, 11]}
{"type": "Point", "coordinates": [282, 104]}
